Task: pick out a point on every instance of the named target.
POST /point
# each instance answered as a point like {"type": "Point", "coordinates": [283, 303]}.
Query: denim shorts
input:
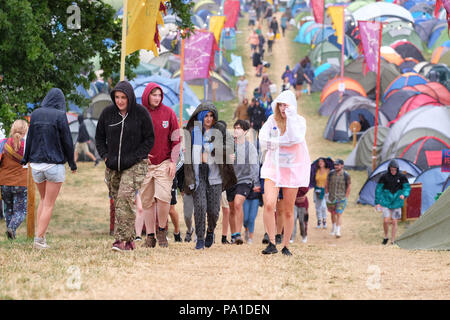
{"type": "Point", "coordinates": [55, 174]}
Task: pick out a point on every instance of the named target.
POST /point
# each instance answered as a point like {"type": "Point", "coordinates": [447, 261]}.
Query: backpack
{"type": "Point", "coordinates": [346, 177]}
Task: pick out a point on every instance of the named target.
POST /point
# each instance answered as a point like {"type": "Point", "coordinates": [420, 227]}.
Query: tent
{"type": "Point", "coordinates": [327, 52]}
{"type": "Point", "coordinates": [407, 49]}
{"type": "Point", "coordinates": [426, 152]}
{"type": "Point", "coordinates": [424, 28]}
{"type": "Point", "coordinates": [337, 128]}
{"type": "Point", "coordinates": [171, 89]}
{"type": "Point", "coordinates": [391, 56]}
{"type": "Point", "coordinates": [322, 74]}
{"type": "Point", "coordinates": [403, 80]}
{"type": "Point", "coordinates": [354, 70]}
{"type": "Point", "coordinates": [422, 122]}
{"type": "Point", "coordinates": [98, 103]}
{"type": "Point", "coordinates": [91, 126]}
{"type": "Point", "coordinates": [301, 32]}
{"type": "Point", "coordinates": [382, 10]}
{"type": "Point", "coordinates": [361, 156]}
{"type": "Point", "coordinates": [441, 54]}
{"type": "Point", "coordinates": [439, 73]}
{"type": "Point", "coordinates": [433, 182]}
{"type": "Point", "coordinates": [367, 192]}
{"type": "Point", "coordinates": [400, 30]}
{"type": "Point", "coordinates": [438, 36]}
{"type": "Point", "coordinates": [432, 230]}
{"type": "Point", "coordinates": [209, 5]}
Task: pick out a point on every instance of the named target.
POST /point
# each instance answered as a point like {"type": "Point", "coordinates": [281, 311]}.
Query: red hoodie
{"type": "Point", "coordinates": [165, 122]}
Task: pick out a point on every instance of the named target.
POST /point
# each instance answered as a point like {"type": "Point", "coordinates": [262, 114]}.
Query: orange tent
{"type": "Point", "coordinates": [333, 85]}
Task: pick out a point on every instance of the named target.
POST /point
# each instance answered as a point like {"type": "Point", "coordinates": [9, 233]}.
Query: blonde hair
{"type": "Point", "coordinates": [281, 122]}
{"type": "Point", "coordinates": [18, 130]}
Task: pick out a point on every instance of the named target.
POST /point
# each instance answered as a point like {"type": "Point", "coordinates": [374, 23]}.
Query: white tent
{"type": "Point", "coordinates": [375, 10]}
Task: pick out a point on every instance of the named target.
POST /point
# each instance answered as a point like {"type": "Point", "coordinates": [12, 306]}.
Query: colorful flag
{"type": "Point", "coordinates": [337, 18]}
{"type": "Point", "coordinates": [143, 17]}
{"type": "Point", "coordinates": [231, 10]}
{"type": "Point", "coordinates": [317, 7]}
{"type": "Point", "coordinates": [216, 25]}
{"type": "Point", "coordinates": [199, 50]}
{"type": "Point", "coordinates": [370, 38]}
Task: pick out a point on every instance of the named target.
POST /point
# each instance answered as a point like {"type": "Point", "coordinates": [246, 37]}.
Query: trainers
{"type": "Point", "coordinates": [97, 161]}
{"type": "Point", "coordinates": [224, 240]}
{"type": "Point", "coordinates": [318, 225]}
{"type": "Point", "coordinates": [338, 234]}
{"type": "Point", "coordinates": [385, 241]}
{"type": "Point", "coordinates": [286, 252]}
{"type": "Point", "coordinates": [118, 246]}
{"type": "Point", "coordinates": [270, 249]}
{"type": "Point", "coordinates": [130, 245]}
{"type": "Point", "coordinates": [250, 241]}
{"type": "Point", "coordinates": [40, 243]}
{"type": "Point", "coordinates": [278, 239]}
{"type": "Point", "coordinates": [305, 239]}
{"type": "Point", "coordinates": [138, 238]}
{"type": "Point", "coordinates": [233, 239]}
{"type": "Point", "coordinates": [161, 236]}
{"type": "Point", "coordinates": [200, 244]}
{"type": "Point", "coordinates": [247, 235]}
{"type": "Point", "coordinates": [324, 226]}
{"type": "Point", "coordinates": [239, 239]}
{"type": "Point", "coordinates": [266, 239]}
{"type": "Point", "coordinates": [188, 236]}
{"type": "Point", "coordinates": [177, 237]}
{"type": "Point", "coordinates": [209, 239]}
{"type": "Point", "coordinates": [10, 234]}
{"type": "Point", "coordinates": [150, 241]}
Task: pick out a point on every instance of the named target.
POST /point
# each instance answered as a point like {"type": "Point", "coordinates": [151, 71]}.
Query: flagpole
{"type": "Point", "coordinates": [181, 79]}
{"type": "Point", "coordinates": [124, 40]}
{"type": "Point", "coordinates": [342, 50]}
{"type": "Point", "coordinates": [374, 148]}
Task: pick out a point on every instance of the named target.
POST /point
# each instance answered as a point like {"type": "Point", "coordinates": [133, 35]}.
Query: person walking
{"type": "Point", "coordinates": [13, 178]}
{"type": "Point", "coordinates": [246, 168]}
{"type": "Point", "coordinates": [241, 112]}
{"type": "Point", "coordinates": [156, 191]}
{"type": "Point", "coordinates": [253, 39]}
{"type": "Point", "coordinates": [225, 217]}
{"type": "Point", "coordinates": [241, 88]}
{"type": "Point", "coordinates": [284, 22]}
{"type": "Point", "coordinates": [124, 138]}
{"type": "Point", "coordinates": [337, 191]}
{"type": "Point", "coordinates": [207, 173]}
{"type": "Point", "coordinates": [391, 191]}
{"type": "Point", "coordinates": [286, 166]}
{"type": "Point", "coordinates": [274, 26]}
{"type": "Point", "coordinates": [48, 146]}
{"type": "Point", "coordinates": [318, 182]}
{"type": "Point", "coordinates": [83, 139]}
{"type": "Point", "coordinates": [256, 115]}
{"type": "Point", "coordinates": [301, 213]}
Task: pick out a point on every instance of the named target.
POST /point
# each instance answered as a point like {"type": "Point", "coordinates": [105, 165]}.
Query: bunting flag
{"type": "Point", "coordinates": [337, 19]}
{"type": "Point", "coordinates": [143, 18]}
{"type": "Point", "coordinates": [216, 24]}
{"type": "Point", "coordinates": [317, 7]}
{"type": "Point", "coordinates": [231, 10]}
{"type": "Point", "coordinates": [437, 7]}
{"type": "Point", "coordinates": [199, 51]}
{"type": "Point", "coordinates": [369, 32]}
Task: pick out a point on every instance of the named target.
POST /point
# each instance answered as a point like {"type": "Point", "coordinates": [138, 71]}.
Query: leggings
{"type": "Point", "coordinates": [250, 213]}
{"type": "Point", "coordinates": [302, 215]}
{"type": "Point", "coordinates": [206, 203]}
{"type": "Point", "coordinates": [15, 199]}
{"type": "Point", "coordinates": [188, 210]}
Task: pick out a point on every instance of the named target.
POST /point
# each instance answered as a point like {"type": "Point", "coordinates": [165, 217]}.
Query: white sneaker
{"type": "Point", "coordinates": [338, 234]}
{"type": "Point", "coordinates": [291, 241]}
{"type": "Point", "coordinates": [40, 243]}
{"type": "Point", "coordinates": [305, 239]}
{"type": "Point", "coordinates": [250, 241]}
{"type": "Point", "coordinates": [324, 226]}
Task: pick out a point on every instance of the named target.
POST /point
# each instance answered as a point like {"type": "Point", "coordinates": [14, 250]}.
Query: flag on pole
{"type": "Point", "coordinates": [216, 24]}
{"type": "Point", "coordinates": [199, 50]}
{"type": "Point", "coordinates": [317, 7]}
{"type": "Point", "coordinates": [143, 17]}
{"type": "Point", "coordinates": [370, 39]}
{"type": "Point", "coordinates": [337, 18]}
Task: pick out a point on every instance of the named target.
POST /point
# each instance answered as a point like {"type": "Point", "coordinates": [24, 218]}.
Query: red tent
{"type": "Point", "coordinates": [415, 102]}
{"type": "Point", "coordinates": [425, 152]}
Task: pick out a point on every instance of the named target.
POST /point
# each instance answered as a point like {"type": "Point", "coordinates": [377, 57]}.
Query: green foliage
{"type": "Point", "coordinates": [182, 9]}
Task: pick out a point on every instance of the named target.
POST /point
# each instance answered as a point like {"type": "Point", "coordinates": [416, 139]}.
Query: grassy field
{"type": "Point", "coordinates": [81, 265]}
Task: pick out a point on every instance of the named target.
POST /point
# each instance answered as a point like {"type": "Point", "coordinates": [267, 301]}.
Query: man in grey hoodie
{"type": "Point", "coordinates": [246, 168]}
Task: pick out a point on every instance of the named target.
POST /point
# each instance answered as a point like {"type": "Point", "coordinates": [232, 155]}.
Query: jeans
{"type": "Point", "coordinates": [302, 215]}
{"type": "Point", "coordinates": [321, 208]}
{"type": "Point", "coordinates": [250, 213]}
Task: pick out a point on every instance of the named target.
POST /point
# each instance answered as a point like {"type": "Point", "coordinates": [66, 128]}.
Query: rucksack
{"type": "Point", "coordinates": [346, 177]}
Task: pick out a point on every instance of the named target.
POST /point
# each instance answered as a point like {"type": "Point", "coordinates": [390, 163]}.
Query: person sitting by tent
{"type": "Point", "coordinates": [286, 84]}
{"type": "Point", "coordinates": [364, 123]}
{"type": "Point", "coordinates": [390, 193]}
{"type": "Point", "coordinates": [82, 145]}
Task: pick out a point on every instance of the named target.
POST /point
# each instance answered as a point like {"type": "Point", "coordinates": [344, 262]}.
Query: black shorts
{"type": "Point", "coordinates": [242, 189]}
{"type": "Point", "coordinates": [173, 201]}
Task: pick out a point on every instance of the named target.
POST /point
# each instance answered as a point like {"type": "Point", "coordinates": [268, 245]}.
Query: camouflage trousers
{"type": "Point", "coordinates": [123, 186]}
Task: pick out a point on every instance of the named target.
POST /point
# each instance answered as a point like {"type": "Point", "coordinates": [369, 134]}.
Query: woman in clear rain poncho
{"type": "Point", "coordinates": [286, 165]}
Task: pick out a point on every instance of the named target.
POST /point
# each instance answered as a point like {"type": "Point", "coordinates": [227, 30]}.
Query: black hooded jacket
{"type": "Point", "coordinates": [124, 141]}
{"type": "Point", "coordinates": [83, 135]}
{"type": "Point", "coordinates": [49, 139]}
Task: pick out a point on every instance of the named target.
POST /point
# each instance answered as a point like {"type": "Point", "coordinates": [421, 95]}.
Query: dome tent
{"type": "Point", "coordinates": [433, 181]}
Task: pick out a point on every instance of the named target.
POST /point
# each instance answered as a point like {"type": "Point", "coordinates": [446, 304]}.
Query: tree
{"type": "Point", "coordinates": [45, 44]}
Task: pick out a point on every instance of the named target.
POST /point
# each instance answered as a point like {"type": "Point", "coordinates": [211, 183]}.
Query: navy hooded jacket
{"type": "Point", "coordinates": [49, 139]}
{"type": "Point", "coordinates": [124, 141]}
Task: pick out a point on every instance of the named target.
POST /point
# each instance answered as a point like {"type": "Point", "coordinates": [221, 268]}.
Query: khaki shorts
{"type": "Point", "coordinates": [157, 184]}
{"type": "Point", "coordinates": [224, 201]}
{"type": "Point", "coordinates": [82, 147]}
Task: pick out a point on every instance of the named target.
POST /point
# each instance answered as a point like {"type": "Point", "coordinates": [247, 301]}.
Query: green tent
{"type": "Point", "coordinates": [432, 230]}
{"type": "Point", "coordinates": [400, 30]}
{"type": "Point", "coordinates": [353, 6]}
{"type": "Point", "coordinates": [442, 38]}
{"type": "Point", "coordinates": [326, 52]}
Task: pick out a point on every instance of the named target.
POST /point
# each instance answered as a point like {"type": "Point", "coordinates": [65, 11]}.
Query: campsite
{"type": "Point", "coordinates": [412, 119]}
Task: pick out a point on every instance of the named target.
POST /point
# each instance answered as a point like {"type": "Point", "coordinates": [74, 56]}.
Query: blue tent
{"type": "Point", "coordinates": [433, 181]}
{"type": "Point", "coordinates": [350, 49]}
{"type": "Point", "coordinates": [435, 35]}
{"type": "Point", "coordinates": [171, 89]}
{"type": "Point", "coordinates": [323, 35]}
{"type": "Point", "coordinates": [367, 193]}
{"type": "Point", "coordinates": [301, 33]}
